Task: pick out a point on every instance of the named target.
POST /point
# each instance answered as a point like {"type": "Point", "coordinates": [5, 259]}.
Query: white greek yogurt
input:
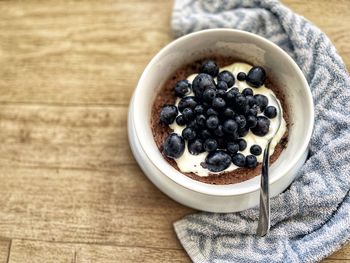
{"type": "Point", "coordinates": [188, 163]}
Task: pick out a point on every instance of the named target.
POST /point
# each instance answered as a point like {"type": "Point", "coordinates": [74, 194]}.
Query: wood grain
{"type": "Point", "coordinates": [32, 251]}
{"type": "Point", "coordinates": [68, 52]}
{"type": "Point", "coordinates": [64, 137]}
{"type": "Point", "coordinates": [4, 250]}
{"type": "Point", "coordinates": [120, 207]}
{"type": "Point", "coordinates": [70, 188]}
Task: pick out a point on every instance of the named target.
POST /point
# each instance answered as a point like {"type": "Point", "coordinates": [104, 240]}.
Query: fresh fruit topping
{"type": "Point", "coordinates": [270, 112]}
{"type": "Point", "coordinates": [174, 146]}
{"type": "Point", "coordinates": [262, 101]}
{"type": "Point", "coordinates": [210, 145]}
{"type": "Point", "coordinates": [180, 120]}
{"type": "Point", "coordinates": [202, 82]}
{"type": "Point", "coordinates": [238, 159]}
{"type": "Point", "coordinates": [241, 76]}
{"type": "Point", "coordinates": [228, 77]}
{"type": "Point", "coordinates": [217, 161]}
{"type": "Point", "coordinates": [187, 102]}
{"type": "Point", "coordinates": [222, 85]}
{"type": "Point", "coordinates": [188, 114]}
{"type": "Point", "coordinates": [255, 149]}
{"type": "Point", "coordinates": [256, 77]}
{"type": "Point", "coordinates": [168, 114]}
{"type": "Point", "coordinates": [218, 103]}
{"type": "Point", "coordinates": [262, 126]}
{"type": "Point", "coordinates": [218, 117]}
{"type": "Point", "coordinates": [195, 147]}
{"type": "Point", "coordinates": [182, 88]}
{"type": "Point", "coordinates": [209, 94]}
{"type": "Point", "coordinates": [241, 121]}
{"type": "Point", "coordinates": [189, 134]}
{"type": "Point", "coordinates": [212, 122]}
{"type": "Point", "coordinates": [209, 67]}
{"type": "Point", "coordinates": [242, 144]}
{"type": "Point", "coordinates": [230, 126]}
{"type": "Point", "coordinates": [247, 91]}
{"type": "Point", "coordinates": [232, 147]}
{"type": "Point", "coordinates": [251, 161]}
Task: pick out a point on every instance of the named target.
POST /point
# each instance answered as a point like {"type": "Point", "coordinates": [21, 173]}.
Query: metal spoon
{"type": "Point", "coordinates": [264, 213]}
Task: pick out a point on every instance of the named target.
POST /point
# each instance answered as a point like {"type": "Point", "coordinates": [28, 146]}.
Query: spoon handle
{"type": "Point", "coordinates": [264, 213]}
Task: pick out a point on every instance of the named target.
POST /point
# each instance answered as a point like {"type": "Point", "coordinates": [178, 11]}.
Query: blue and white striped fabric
{"type": "Point", "coordinates": [312, 218]}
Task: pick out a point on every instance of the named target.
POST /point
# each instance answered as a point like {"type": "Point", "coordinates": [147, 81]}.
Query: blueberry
{"type": "Point", "coordinates": [231, 94]}
{"type": "Point", "coordinates": [247, 92]}
{"type": "Point", "coordinates": [187, 102]}
{"type": "Point", "coordinates": [211, 112]}
{"type": "Point", "coordinates": [222, 85]}
{"type": "Point", "coordinates": [209, 94]}
{"type": "Point", "coordinates": [200, 121]}
{"type": "Point", "coordinates": [188, 113]}
{"type": "Point", "coordinates": [231, 137]}
{"type": "Point", "coordinates": [230, 126]}
{"type": "Point", "coordinates": [254, 110]}
{"type": "Point", "coordinates": [262, 126]}
{"type": "Point", "coordinates": [205, 134]}
{"type": "Point", "coordinates": [209, 67]}
{"type": "Point", "coordinates": [174, 146]}
{"type": "Point", "coordinates": [182, 88]}
{"type": "Point", "coordinates": [219, 131]}
{"type": "Point", "coordinates": [256, 77]}
{"type": "Point", "coordinates": [255, 149]}
{"type": "Point", "coordinates": [251, 100]}
{"type": "Point", "coordinates": [251, 161]}
{"type": "Point", "coordinates": [193, 125]}
{"type": "Point", "coordinates": [227, 77]}
{"type": "Point", "coordinates": [238, 159]}
{"type": "Point", "coordinates": [199, 109]}
{"type": "Point", "coordinates": [242, 131]}
{"type": "Point", "coordinates": [270, 112]}
{"type": "Point", "coordinates": [232, 147]}
{"type": "Point", "coordinates": [206, 105]}
{"type": "Point", "coordinates": [189, 134]}
{"type": "Point", "coordinates": [181, 121]}
{"type": "Point", "coordinates": [222, 142]}
{"type": "Point", "coordinates": [241, 76]}
{"type": "Point", "coordinates": [168, 114]}
{"type": "Point", "coordinates": [242, 144]}
{"type": "Point", "coordinates": [195, 147]}
{"type": "Point", "coordinates": [201, 82]}
{"type": "Point", "coordinates": [241, 121]}
{"type": "Point", "coordinates": [217, 161]}
{"type": "Point", "coordinates": [218, 103]}
{"type": "Point", "coordinates": [221, 93]}
{"type": "Point", "coordinates": [262, 101]}
{"type": "Point", "coordinates": [228, 113]}
{"type": "Point", "coordinates": [251, 121]}
{"type": "Point", "coordinates": [210, 145]}
{"type": "Point", "coordinates": [212, 122]}
{"type": "Point", "coordinates": [240, 100]}
{"type": "Point", "coordinates": [245, 109]}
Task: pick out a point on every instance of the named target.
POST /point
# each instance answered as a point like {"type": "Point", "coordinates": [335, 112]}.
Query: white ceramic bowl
{"type": "Point", "coordinates": [242, 45]}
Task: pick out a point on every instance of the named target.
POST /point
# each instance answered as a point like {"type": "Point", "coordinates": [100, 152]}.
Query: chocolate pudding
{"type": "Point", "coordinates": [234, 173]}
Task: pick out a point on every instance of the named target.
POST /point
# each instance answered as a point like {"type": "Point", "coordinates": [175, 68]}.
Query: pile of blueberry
{"type": "Point", "coordinates": [218, 116]}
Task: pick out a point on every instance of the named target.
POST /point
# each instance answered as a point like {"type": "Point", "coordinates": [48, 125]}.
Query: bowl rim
{"type": "Point", "coordinates": [185, 181]}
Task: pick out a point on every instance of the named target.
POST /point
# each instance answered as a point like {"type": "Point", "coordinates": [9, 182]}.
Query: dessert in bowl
{"type": "Point", "coordinates": [242, 192]}
{"type": "Point", "coordinates": [220, 113]}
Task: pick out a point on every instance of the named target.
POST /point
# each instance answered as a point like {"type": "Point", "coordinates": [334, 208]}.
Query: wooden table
{"type": "Point", "coordinates": [70, 188]}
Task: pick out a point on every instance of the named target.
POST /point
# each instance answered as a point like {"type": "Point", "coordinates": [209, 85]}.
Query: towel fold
{"type": "Point", "coordinates": [311, 219]}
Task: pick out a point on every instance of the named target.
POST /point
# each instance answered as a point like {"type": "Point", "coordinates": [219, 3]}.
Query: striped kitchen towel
{"type": "Point", "coordinates": [311, 219]}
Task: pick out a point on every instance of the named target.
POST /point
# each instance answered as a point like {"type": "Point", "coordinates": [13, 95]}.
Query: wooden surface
{"type": "Point", "coordinates": [70, 188]}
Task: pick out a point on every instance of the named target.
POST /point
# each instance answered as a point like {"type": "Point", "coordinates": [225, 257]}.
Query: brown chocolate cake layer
{"type": "Point", "coordinates": [160, 131]}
